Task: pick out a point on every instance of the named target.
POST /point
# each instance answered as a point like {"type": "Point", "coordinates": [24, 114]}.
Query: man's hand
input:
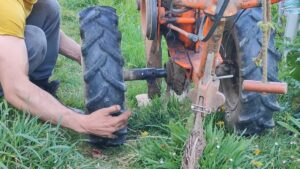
{"type": "Point", "coordinates": [102, 123]}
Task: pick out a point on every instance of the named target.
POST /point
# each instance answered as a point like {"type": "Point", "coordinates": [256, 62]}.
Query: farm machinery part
{"type": "Point", "coordinates": [149, 74]}
{"type": "Point", "coordinates": [194, 31]}
{"type": "Point", "coordinates": [206, 45]}
{"type": "Point", "coordinates": [174, 75]}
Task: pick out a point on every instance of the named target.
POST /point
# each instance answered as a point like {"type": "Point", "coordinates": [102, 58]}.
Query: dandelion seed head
{"type": "Point", "coordinates": [161, 161]}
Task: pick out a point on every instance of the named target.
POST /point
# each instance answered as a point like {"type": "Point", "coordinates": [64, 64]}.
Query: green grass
{"type": "Point", "coordinates": [28, 143]}
{"type": "Point", "coordinates": [157, 132]}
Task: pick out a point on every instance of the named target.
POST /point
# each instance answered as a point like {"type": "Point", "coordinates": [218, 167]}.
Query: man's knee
{"type": "Point", "coordinates": [36, 45]}
{"type": "Point", "coordinates": [52, 8]}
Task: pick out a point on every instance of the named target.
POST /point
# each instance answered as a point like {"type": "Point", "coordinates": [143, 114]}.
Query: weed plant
{"type": "Point", "coordinates": [222, 150]}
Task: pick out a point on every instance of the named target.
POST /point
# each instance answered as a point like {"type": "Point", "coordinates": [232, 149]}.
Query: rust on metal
{"type": "Point", "coordinates": [152, 48]}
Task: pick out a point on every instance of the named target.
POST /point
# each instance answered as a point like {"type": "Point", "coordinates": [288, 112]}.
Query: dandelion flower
{"type": "Point", "coordinates": [231, 160]}
{"type": "Point", "coordinates": [218, 146]}
{"type": "Point", "coordinates": [220, 123]}
{"type": "Point", "coordinates": [284, 161]}
{"type": "Point", "coordinates": [144, 134]}
{"type": "Point", "coordinates": [257, 164]}
{"type": "Point", "coordinates": [222, 109]}
{"type": "Point", "coordinates": [257, 152]}
{"type": "Point", "coordinates": [276, 144]}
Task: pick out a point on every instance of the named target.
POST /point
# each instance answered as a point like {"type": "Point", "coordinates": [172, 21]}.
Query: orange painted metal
{"type": "Point", "coordinates": [185, 20]}
{"type": "Point", "coordinates": [204, 52]}
{"type": "Point", "coordinates": [178, 20]}
{"type": "Point", "coordinates": [188, 28]}
{"type": "Point", "coordinates": [275, 1]}
{"type": "Point", "coordinates": [197, 4]}
{"type": "Point", "coordinates": [244, 4]}
{"type": "Point", "coordinates": [179, 30]}
{"type": "Point", "coordinates": [180, 58]}
{"type": "Point", "coordinates": [210, 6]}
{"type": "Point", "coordinates": [197, 59]}
{"type": "Point", "coordinates": [142, 6]}
{"type": "Point", "coordinates": [270, 87]}
{"type": "Point", "coordinates": [193, 56]}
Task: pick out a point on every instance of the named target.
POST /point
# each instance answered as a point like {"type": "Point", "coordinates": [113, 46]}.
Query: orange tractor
{"type": "Point", "coordinates": [216, 44]}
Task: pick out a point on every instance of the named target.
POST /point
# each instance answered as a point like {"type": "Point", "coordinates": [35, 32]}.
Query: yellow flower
{"type": "Point", "coordinates": [144, 134]}
{"type": "Point", "coordinates": [220, 123]}
{"type": "Point", "coordinates": [257, 164]}
{"type": "Point", "coordinates": [222, 109]}
{"type": "Point", "coordinates": [257, 152]}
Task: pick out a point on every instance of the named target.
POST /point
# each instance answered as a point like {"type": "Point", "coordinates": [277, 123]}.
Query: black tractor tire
{"type": "Point", "coordinates": [247, 113]}
{"type": "Point", "coordinates": [102, 65]}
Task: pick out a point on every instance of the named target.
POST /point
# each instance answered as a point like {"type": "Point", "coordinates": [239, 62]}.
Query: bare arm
{"type": "Point", "coordinates": [24, 95]}
{"type": "Point", "coordinates": [69, 48]}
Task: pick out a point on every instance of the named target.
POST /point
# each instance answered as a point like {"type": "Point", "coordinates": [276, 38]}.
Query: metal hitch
{"type": "Point", "coordinates": [144, 74]}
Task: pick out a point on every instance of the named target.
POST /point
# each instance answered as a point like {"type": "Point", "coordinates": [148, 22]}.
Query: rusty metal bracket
{"type": "Point", "coordinates": [206, 97]}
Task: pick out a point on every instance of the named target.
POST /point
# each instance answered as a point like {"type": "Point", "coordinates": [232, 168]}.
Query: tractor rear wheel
{"type": "Point", "coordinates": [102, 65]}
{"type": "Point", "coordinates": [247, 112]}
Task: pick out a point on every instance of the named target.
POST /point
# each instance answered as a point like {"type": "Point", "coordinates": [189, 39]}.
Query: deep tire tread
{"type": "Point", "coordinates": [255, 109]}
{"type": "Point", "coordinates": [103, 65]}
{"type": "Point", "coordinates": [93, 101]}
{"type": "Point", "coordinates": [88, 75]}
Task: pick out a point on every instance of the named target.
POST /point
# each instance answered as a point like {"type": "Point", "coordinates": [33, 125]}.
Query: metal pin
{"type": "Point", "coordinates": [223, 77]}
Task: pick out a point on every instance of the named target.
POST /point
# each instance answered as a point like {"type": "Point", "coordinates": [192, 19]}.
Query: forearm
{"type": "Point", "coordinates": [69, 48]}
{"type": "Point", "coordinates": [30, 98]}
{"type": "Point", "coordinates": [24, 95]}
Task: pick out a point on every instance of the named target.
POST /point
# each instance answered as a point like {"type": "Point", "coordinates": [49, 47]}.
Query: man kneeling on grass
{"type": "Point", "coordinates": [30, 40]}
